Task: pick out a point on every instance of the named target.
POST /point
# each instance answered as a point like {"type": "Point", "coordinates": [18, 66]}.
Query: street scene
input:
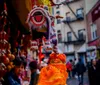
{"type": "Point", "coordinates": [74, 81]}
{"type": "Point", "coordinates": [49, 42]}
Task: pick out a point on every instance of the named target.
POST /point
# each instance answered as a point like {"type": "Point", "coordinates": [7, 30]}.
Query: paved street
{"type": "Point", "coordinates": [74, 81]}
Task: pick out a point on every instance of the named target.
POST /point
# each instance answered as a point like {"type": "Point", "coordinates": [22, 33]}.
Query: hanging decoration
{"type": "Point", "coordinates": [39, 19]}
{"type": "Point", "coordinates": [34, 45]}
{"type": "Point", "coordinates": [6, 57]}
{"type": "Point", "coordinates": [46, 45]}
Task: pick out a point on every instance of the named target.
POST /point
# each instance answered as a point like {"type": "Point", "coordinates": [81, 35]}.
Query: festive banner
{"type": "Point", "coordinates": [96, 12]}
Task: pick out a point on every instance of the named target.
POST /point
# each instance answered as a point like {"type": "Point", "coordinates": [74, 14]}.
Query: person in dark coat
{"type": "Point", "coordinates": [98, 72]}
{"type": "Point", "coordinates": [12, 77]}
{"type": "Point", "coordinates": [80, 69]}
{"type": "Point", "coordinates": [93, 73]}
{"type": "Point", "coordinates": [34, 76]}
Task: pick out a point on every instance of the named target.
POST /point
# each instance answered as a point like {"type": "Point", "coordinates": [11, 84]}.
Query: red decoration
{"type": "Point", "coordinates": [41, 56]}
{"type": "Point", "coordinates": [5, 7]}
{"type": "Point", "coordinates": [96, 12]}
{"type": "Point", "coordinates": [37, 20]}
{"type": "Point", "coordinates": [5, 59]}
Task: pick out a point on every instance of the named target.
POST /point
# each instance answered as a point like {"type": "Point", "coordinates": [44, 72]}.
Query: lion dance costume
{"type": "Point", "coordinates": [55, 73]}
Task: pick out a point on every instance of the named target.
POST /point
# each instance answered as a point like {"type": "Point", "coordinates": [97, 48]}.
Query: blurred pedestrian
{"type": "Point", "coordinates": [34, 77]}
{"type": "Point", "coordinates": [12, 78]}
{"type": "Point", "coordinates": [69, 68]}
{"type": "Point", "coordinates": [80, 69]}
{"type": "Point", "coordinates": [93, 73]}
{"type": "Point", "coordinates": [74, 68]}
{"type": "Point", "coordinates": [98, 72]}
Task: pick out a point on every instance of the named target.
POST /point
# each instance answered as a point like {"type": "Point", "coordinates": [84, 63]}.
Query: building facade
{"type": "Point", "coordinates": [70, 25]}
{"type": "Point", "coordinates": [93, 28]}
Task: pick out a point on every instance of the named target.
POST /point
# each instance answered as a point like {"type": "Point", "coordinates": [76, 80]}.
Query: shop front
{"type": "Point", "coordinates": [93, 51]}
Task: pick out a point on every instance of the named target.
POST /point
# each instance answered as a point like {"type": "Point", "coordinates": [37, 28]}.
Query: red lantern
{"type": "Point", "coordinates": [3, 35]}
{"type": "Point", "coordinates": [5, 59]}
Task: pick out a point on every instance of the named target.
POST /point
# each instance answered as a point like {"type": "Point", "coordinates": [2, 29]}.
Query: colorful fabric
{"type": "Point", "coordinates": [50, 75]}
{"type": "Point", "coordinates": [57, 58]}
{"type": "Point", "coordinates": [55, 73]}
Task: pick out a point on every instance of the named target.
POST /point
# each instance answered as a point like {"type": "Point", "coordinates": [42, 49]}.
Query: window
{"type": "Point", "coordinates": [79, 13]}
{"type": "Point", "coordinates": [69, 36]}
{"type": "Point", "coordinates": [58, 12]}
{"type": "Point", "coordinates": [93, 31]}
{"type": "Point", "coordinates": [52, 11]}
{"type": "Point", "coordinates": [59, 36]}
{"type": "Point", "coordinates": [80, 34]}
{"type": "Point", "coordinates": [58, 21]}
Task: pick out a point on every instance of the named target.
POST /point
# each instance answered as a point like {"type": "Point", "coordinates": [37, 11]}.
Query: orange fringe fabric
{"type": "Point", "coordinates": [55, 73]}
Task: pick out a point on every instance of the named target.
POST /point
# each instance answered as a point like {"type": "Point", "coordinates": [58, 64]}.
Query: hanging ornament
{"type": "Point", "coordinates": [37, 19]}
{"type": "Point", "coordinates": [2, 70]}
{"type": "Point", "coordinates": [34, 45]}
{"type": "Point", "coordinates": [3, 35]}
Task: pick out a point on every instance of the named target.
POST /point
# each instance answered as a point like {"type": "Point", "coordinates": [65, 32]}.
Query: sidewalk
{"type": "Point", "coordinates": [74, 81]}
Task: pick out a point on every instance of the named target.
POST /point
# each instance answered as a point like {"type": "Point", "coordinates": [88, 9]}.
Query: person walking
{"type": "Point", "coordinates": [80, 69]}
{"type": "Point", "coordinates": [69, 68]}
{"type": "Point", "coordinates": [34, 77]}
{"type": "Point", "coordinates": [73, 63]}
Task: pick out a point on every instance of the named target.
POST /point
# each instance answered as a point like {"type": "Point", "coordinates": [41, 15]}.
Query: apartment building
{"type": "Point", "coordinates": [70, 26]}
{"type": "Point", "coordinates": [93, 28]}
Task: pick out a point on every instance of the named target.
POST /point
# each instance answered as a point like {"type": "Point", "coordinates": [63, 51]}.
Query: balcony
{"type": "Point", "coordinates": [81, 37]}
{"type": "Point", "coordinates": [75, 42]}
{"type": "Point", "coordinates": [69, 19]}
{"type": "Point", "coordinates": [80, 40]}
{"type": "Point", "coordinates": [80, 14]}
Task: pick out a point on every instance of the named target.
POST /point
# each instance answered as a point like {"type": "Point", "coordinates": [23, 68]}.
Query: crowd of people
{"type": "Point", "coordinates": [76, 69]}
{"type": "Point", "coordinates": [19, 74]}
{"type": "Point", "coordinates": [26, 71]}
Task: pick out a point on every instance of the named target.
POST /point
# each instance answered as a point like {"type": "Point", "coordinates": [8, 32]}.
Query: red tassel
{"type": "Point", "coordinates": [5, 6]}
{"type": "Point", "coordinates": [41, 56]}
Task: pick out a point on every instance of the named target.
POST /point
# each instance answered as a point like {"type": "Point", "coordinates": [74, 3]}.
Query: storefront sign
{"type": "Point", "coordinates": [96, 12]}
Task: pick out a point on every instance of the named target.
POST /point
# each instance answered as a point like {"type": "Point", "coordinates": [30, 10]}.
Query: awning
{"type": "Point", "coordinates": [82, 49]}
{"type": "Point", "coordinates": [95, 42]}
{"type": "Point", "coordinates": [91, 48]}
